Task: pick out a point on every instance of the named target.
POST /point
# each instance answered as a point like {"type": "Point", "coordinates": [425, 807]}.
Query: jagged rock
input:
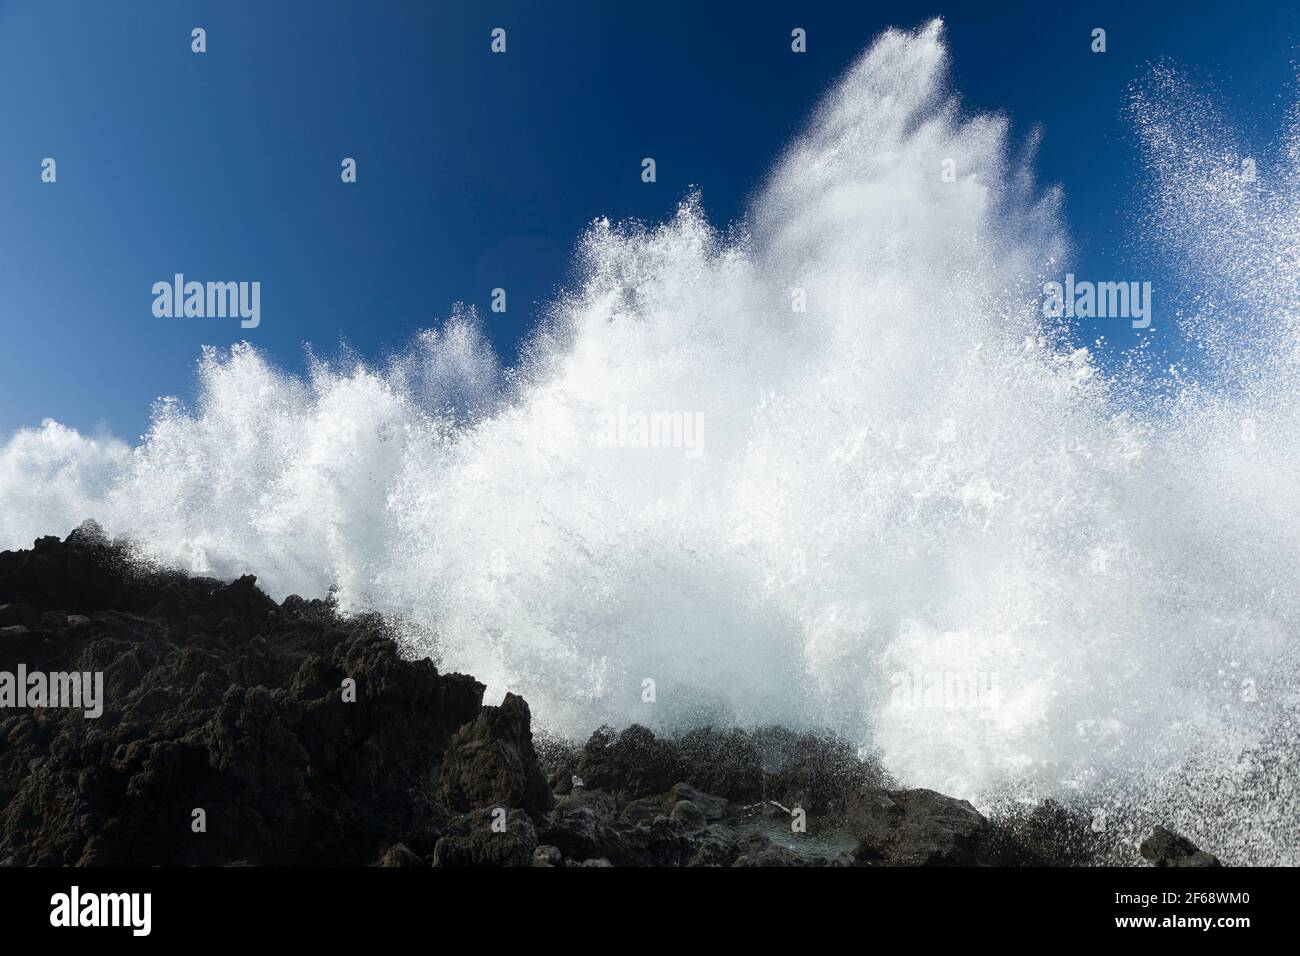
{"type": "Point", "coordinates": [633, 763]}
{"type": "Point", "coordinates": [399, 854]}
{"type": "Point", "coordinates": [716, 846]}
{"type": "Point", "coordinates": [480, 839]}
{"type": "Point", "coordinates": [723, 762]}
{"type": "Point", "coordinates": [604, 805]}
{"type": "Point", "coordinates": [215, 699]}
{"type": "Point", "coordinates": [576, 830]}
{"type": "Point", "coordinates": [688, 815]}
{"type": "Point", "coordinates": [491, 761]}
{"type": "Point", "coordinates": [818, 772]}
{"type": "Point", "coordinates": [660, 844]}
{"type": "Point", "coordinates": [918, 828]}
{"type": "Point", "coordinates": [771, 856]}
{"type": "Point", "coordinates": [547, 856]}
{"type": "Point", "coordinates": [561, 782]}
{"type": "Point", "coordinates": [642, 811]}
{"type": "Point", "coordinates": [713, 807]}
{"type": "Point", "coordinates": [1167, 848]}
{"type": "Point", "coordinates": [1048, 834]}
{"type": "Point", "coordinates": [579, 833]}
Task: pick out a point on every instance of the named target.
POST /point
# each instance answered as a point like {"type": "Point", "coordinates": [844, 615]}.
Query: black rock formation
{"type": "Point", "coordinates": [919, 828]}
{"type": "Point", "coordinates": [227, 733]}
{"type": "Point", "coordinates": [1167, 848]}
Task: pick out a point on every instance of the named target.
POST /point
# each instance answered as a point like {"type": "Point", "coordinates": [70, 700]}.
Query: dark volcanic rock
{"type": "Point", "coordinates": [547, 856]}
{"type": "Point", "coordinates": [1167, 848]}
{"type": "Point", "coordinates": [491, 761]}
{"type": "Point", "coordinates": [918, 828]}
{"type": "Point", "coordinates": [576, 831]}
{"type": "Point", "coordinates": [686, 814]}
{"type": "Point", "coordinates": [225, 735]}
{"type": "Point", "coordinates": [633, 763]}
{"type": "Point", "coordinates": [659, 844]}
{"type": "Point", "coordinates": [723, 762]}
{"type": "Point", "coordinates": [715, 846]}
{"type": "Point", "coordinates": [712, 807]}
{"type": "Point", "coordinates": [488, 837]}
{"type": "Point", "coordinates": [399, 854]}
{"type": "Point", "coordinates": [1048, 834]}
{"type": "Point", "coordinates": [579, 833]}
{"type": "Point", "coordinates": [642, 811]}
{"type": "Point", "coordinates": [818, 772]}
{"type": "Point", "coordinates": [772, 856]}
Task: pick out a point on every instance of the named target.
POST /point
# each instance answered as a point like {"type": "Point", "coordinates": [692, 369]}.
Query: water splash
{"type": "Point", "coordinates": [905, 484]}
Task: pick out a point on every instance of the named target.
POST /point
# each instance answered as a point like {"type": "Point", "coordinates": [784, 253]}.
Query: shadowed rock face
{"type": "Point", "coordinates": [492, 760]}
{"type": "Point", "coordinates": [216, 699]}
{"type": "Point", "coordinates": [1167, 848]}
{"type": "Point", "coordinates": [919, 828]}
{"type": "Point", "coordinates": [236, 730]}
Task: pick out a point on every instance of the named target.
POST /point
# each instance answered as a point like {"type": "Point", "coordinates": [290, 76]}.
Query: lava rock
{"type": "Point", "coordinates": [717, 845]}
{"type": "Point", "coordinates": [399, 854]}
{"type": "Point", "coordinates": [660, 844]}
{"type": "Point", "coordinates": [579, 833]}
{"type": "Point", "coordinates": [488, 837]}
{"type": "Point", "coordinates": [772, 856]}
{"type": "Point", "coordinates": [225, 735]}
{"type": "Point", "coordinates": [642, 811]}
{"type": "Point", "coordinates": [633, 763]}
{"type": "Point", "coordinates": [727, 762]}
{"type": "Point", "coordinates": [918, 828]}
{"type": "Point", "coordinates": [491, 761]}
{"type": "Point", "coordinates": [688, 815]}
{"type": "Point", "coordinates": [819, 772]}
{"type": "Point", "coordinates": [1167, 848]}
{"type": "Point", "coordinates": [1048, 834]}
{"type": "Point", "coordinates": [713, 807]}
{"type": "Point", "coordinates": [547, 856]}
{"type": "Point", "coordinates": [576, 830]}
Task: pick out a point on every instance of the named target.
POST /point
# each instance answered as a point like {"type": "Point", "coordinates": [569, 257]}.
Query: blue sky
{"type": "Point", "coordinates": [476, 171]}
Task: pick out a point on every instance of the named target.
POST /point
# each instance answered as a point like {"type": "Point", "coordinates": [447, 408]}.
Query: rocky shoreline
{"type": "Point", "coordinates": [238, 731]}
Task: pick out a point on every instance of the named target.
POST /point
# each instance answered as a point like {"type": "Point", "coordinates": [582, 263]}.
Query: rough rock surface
{"type": "Point", "coordinates": [399, 854]}
{"type": "Point", "coordinates": [1047, 834]}
{"type": "Point", "coordinates": [488, 837]}
{"type": "Point", "coordinates": [1167, 848]}
{"type": "Point", "coordinates": [918, 828]}
{"type": "Point", "coordinates": [215, 700]}
{"type": "Point", "coordinates": [492, 761]}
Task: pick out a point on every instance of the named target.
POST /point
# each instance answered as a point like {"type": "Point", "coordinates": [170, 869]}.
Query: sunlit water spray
{"type": "Point", "coordinates": [905, 512]}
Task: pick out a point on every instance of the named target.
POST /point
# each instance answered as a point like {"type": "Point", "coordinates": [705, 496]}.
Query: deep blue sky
{"type": "Point", "coordinates": [475, 170]}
